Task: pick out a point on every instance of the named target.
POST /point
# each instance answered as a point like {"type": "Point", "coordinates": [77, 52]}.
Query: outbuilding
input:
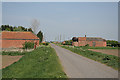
{"type": "Point", "coordinates": [12, 39]}
{"type": "Point", "coordinates": [91, 41]}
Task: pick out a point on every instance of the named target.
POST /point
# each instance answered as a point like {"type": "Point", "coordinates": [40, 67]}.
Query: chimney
{"type": "Point", "coordinates": [85, 35]}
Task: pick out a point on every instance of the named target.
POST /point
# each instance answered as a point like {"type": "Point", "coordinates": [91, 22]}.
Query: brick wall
{"type": "Point", "coordinates": [82, 42]}
{"type": "Point", "coordinates": [75, 43]}
{"type": "Point", "coordinates": [98, 43]}
{"type": "Point", "coordinates": [16, 43]}
{"type": "Point", "coordinates": [90, 43]}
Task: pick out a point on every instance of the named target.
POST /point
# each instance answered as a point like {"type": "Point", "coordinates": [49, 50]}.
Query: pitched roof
{"type": "Point", "coordinates": [95, 39]}
{"type": "Point", "coordinates": [18, 35]}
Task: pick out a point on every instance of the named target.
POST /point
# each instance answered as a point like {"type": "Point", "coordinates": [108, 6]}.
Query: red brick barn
{"type": "Point", "coordinates": [92, 41]}
{"type": "Point", "coordinates": [17, 39]}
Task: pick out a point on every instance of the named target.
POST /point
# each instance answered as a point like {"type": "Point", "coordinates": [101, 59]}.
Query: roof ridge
{"type": "Point", "coordinates": [16, 31]}
{"type": "Point", "coordinates": [90, 37]}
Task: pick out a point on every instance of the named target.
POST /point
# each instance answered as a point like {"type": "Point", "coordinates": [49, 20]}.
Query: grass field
{"type": "Point", "coordinates": [40, 63]}
{"type": "Point", "coordinates": [109, 60]}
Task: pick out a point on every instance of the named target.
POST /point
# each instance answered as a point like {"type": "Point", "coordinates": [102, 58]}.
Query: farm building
{"type": "Point", "coordinates": [17, 39]}
{"type": "Point", "coordinates": [91, 41]}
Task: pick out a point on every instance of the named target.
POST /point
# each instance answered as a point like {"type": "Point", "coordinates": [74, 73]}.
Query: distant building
{"type": "Point", "coordinates": [11, 39]}
{"type": "Point", "coordinates": [91, 41]}
{"type": "Point", "coordinates": [63, 42]}
{"type": "Point", "coordinates": [43, 42]}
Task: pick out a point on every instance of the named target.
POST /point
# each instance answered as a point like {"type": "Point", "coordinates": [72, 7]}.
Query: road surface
{"type": "Point", "coordinates": [76, 66]}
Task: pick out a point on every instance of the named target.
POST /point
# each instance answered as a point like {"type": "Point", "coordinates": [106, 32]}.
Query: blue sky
{"type": "Point", "coordinates": [68, 19]}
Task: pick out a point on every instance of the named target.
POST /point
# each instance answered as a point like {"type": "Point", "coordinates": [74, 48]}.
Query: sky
{"type": "Point", "coordinates": [65, 19]}
{"type": "Point", "coordinates": [60, 0]}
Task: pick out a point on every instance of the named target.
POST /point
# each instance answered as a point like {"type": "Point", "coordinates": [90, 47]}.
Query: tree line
{"type": "Point", "coordinates": [113, 43]}
{"type": "Point", "coordinates": [20, 28]}
{"type": "Point", "coordinates": [11, 28]}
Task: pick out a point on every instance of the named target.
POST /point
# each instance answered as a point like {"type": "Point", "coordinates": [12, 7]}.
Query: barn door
{"type": "Point", "coordinates": [94, 43]}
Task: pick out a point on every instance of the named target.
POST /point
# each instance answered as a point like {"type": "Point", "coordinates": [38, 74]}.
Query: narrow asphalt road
{"type": "Point", "coordinates": [76, 66]}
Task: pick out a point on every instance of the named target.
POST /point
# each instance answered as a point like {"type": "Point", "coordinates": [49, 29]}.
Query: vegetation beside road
{"type": "Point", "coordinates": [90, 47]}
{"type": "Point", "coordinates": [45, 44]}
{"type": "Point", "coordinates": [39, 63]}
{"type": "Point", "coordinates": [109, 60]}
{"type": "Point", "coordinates": [14, 53]}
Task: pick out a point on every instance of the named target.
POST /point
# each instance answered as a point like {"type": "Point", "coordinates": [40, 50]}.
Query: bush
{"type": "Point", "coordinates": [68, 42]}
{"type": "Point", "coordinates": [28, 45]}
{"type": "Point", "coordinates": [113, 43]}
{"type": "Point", "coordinates": [45, 44]}
{"type": "Point", "coordinates": [87, 45]}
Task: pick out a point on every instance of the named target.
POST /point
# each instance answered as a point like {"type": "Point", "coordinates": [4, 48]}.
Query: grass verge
{"type": "Point", "coordinates": [110, 60]}
{"type": "Point", "coordinates": [40, 63]}
{"type": "Point", "coordinates": [13, 53]}
{"type": "Point", "coordinates": [90, 47]}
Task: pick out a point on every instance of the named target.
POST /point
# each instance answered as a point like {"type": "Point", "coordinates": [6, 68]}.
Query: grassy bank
{"type": "Point", "coordinates": [40, 63]}
{"type": "Point", "coordinates": [13, 53]}
{"type": "Point", "coordinates": [109, 60]}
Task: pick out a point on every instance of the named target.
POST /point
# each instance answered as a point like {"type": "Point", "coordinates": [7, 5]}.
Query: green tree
{"type": "Point", "coordinates": [112, 43]}
{"type": "Point", "coordinates": [40, 35]}
{"type": "Point", "coordinates": [11, 28]}
{"type": "Point", "coordinates": [7, 29]}
{"type": "Point", "coordinates": [19, 28]}
{"type": "Point", "coordinates": [15, 28]}
{"type": "Point", "coordinates": [25, 29]}
{"type": "Point", "coordinates": [6, 26]}
{"type": "Point", "coordinates": [30, 29]}
{"type": "Point", "coordinates": [68, 42]}
{"type": "Point", "coordinates": [3, 27]}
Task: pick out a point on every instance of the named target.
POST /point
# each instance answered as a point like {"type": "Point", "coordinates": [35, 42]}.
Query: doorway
{"type": "Point", "coordinates": [94, 43]}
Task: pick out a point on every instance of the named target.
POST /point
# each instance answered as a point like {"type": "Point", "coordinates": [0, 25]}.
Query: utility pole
{"type": "Point", "coordinates": [68, 38]}
{"type": "Point", "coordinates": [64, 37]}
{"type": "Point", "coordinates": [60, 37]}
{"type": "Point", "coordinates": [55, 39]}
